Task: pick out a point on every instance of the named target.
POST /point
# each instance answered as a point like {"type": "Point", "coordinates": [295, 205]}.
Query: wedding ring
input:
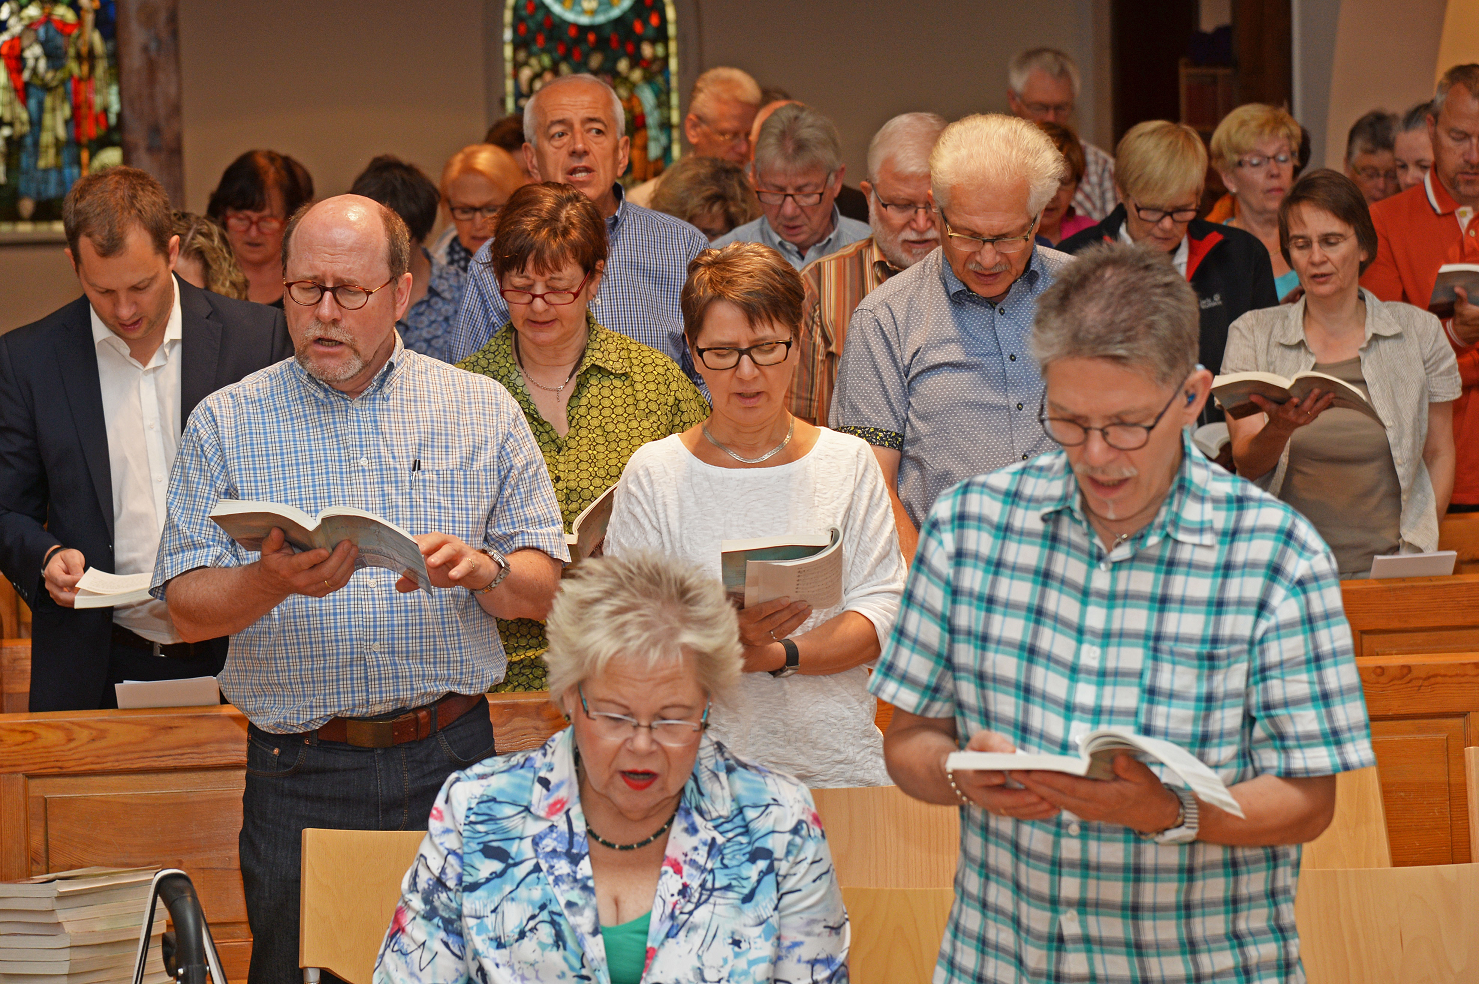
{"type": "Point", "coordinates": [326, 587]}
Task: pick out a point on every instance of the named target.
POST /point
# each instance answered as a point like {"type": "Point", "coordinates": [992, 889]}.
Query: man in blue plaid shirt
{"type": "Point", "coordinates": [1123, 581]}
{"type": "Point", "coordinates": [363, 692]}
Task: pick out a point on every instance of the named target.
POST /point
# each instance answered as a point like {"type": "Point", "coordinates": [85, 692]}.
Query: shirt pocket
{"type": "Point", "coordinates": [1196, 699]}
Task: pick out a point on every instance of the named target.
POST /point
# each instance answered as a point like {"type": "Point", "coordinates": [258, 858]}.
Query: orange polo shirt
{"type": "Point", "coordinates": [1417, 232]}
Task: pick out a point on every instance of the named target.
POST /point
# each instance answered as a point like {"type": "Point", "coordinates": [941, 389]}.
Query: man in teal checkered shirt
{"type": "Point", "coordinates": [1123, 581]}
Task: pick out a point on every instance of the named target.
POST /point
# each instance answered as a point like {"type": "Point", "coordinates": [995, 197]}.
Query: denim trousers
{"type": "Point", "coordinates": [297, 781]}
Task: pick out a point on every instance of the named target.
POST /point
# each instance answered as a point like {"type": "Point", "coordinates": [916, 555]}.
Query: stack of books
{"type": "Point", "coordinates": [78, 927]}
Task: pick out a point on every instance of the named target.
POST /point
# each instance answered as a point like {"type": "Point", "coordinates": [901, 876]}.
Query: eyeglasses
{"type": "Point", "coordinates": [764, 354]}
{"type": "Point", "coordinates": [1155, 215]}
{"type": "Point", "coordinates": [802, 198]}
{"type": "Point", "coordinates": [1254, 161]}
{"type": "Point", "coordinates": [674, 733]}
{"type": "Point", "coordinates": [974, 244]}
{"type": "Point", "coordinates": [1048, 109]}
{"type": "Point", "coordinates": [724, 136]}
{"type": "Point", "coordinates": [1121, 437]}
{"type": "Point", "coordinates": [1303, 244]}
{"type": "Point", "coordinates": [350, 297]}
{"type": "Point", "coordinates": [1374, 174]}
{"type": "Point", "coordinates": [242, 221]}
{"type": "Point", "coordinates": [463, 213]}
{"type": "Point", "coordinates": [554, 298]}
{"type": "Point", "coordinates": [901, 210]}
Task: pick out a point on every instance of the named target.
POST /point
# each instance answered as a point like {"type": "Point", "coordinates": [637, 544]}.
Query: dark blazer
{"type": "Point", "coordinates": [54, 465]}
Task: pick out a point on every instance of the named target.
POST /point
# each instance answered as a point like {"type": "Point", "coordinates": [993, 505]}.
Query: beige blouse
{"type": "Point", "coordinates": [1407, 364]}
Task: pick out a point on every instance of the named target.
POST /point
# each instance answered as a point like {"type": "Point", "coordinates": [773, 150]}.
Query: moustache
{"type": "Point", "coordinates": [974, 267]}
{"type": "Point", "coordinates": [1112, 474]}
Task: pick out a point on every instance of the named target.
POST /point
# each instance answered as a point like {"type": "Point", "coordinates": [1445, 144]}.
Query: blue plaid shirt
{"type": "Point", "coordinates": [282, 436]}
{"type": "Point", "coordinates": [646, 266]}
{"type": "Point", "coordinates": [1218, 627]}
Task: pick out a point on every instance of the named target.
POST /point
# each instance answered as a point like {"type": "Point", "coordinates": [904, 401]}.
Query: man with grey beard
{"type": "Point", "coordinates": [935, 374]}
{"type": "Point", "coordinates": [904, 232]}
{"type": "Point", "coordinates": [363, 693]}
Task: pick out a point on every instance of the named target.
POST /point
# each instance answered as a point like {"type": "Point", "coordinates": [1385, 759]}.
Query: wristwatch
{"type": "Point", "coordinates": [1184, 830]}
{"type": "Point", "coordinates": [502, 563]}
{"type": "Point", "coordinates": [793, 660]}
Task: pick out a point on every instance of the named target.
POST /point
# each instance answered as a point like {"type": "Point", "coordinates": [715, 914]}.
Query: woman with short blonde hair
{"type": "Point", "coordinates": [755, 470]}
{"type": "Point", "coordinates": [1160, 170]}
{"type": "Point", "coordinates": [1256, 151]}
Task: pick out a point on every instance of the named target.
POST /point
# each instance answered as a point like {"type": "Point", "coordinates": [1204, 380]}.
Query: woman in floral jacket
{"type": "Point", "coordinates": [631, 846]}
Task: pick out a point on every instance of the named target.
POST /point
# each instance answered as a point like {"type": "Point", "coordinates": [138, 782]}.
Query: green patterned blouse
{"type": "Point", "coordinates": [625, 395]}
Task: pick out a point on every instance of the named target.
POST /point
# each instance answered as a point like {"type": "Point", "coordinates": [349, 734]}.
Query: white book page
{"type": "Point", "coordinates": [191, 692]}
{"type": "Point", "coordinates": [99, 589]}
{"type": "Point", "coordinates": [1073, 765]}
{"type": "Point", "coordinates": [1438, 563]}
{"type": "Point", "coordinates": [1202, 780]}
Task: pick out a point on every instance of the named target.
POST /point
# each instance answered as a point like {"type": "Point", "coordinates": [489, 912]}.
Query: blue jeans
{"type": "Point", "coordinates": [297, 781]}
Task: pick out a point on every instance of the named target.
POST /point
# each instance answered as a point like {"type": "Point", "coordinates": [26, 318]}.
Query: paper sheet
{"type": "Point", "coordinates": [190, 692]}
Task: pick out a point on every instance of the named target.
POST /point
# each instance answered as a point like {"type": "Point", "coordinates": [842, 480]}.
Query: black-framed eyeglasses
{"type": "Point", "coordinates": [725, 136]}
{"type": "Point", "coordinates": [806, 199]}
{"type": "Point", "coordinates": [1121, 437]}
{"type": "Point", "coordinates": [901, 210]}
{"type": "Point", "coordinates": [1255, 161]}
{"type": "Point", "coordinates": [1155, 215]}
{"type": "Point", "coordinates": [1002, 244]}
{"type": "Point", "coordinates": [764, 354]}
{"type": "Point", "coordinates": [675, 733]}
{"type": "Point", "coordinates": [464, 213]}
{"type": "Point", "coordinates": [350, 297]}
{"type": "Point", "coordinates": [554, 298]}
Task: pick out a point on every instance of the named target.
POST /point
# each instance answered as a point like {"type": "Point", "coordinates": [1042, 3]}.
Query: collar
{"type": "Point", "coordinates": [878, 263]}
{"type": "Point", "coordinates": [173, 328]}
{"type": "Point", "coordinates": [382, 380]}
{"type": "Point", "coordinates": [1289, 330]}
{"type": "Point", "coordinates": [602, 349]}
{"type": "Point", "coordinates": [621, 209]}
{"type": "Point", "coordinates": [456, 255]}
{"type": "Point", "coordinates": [956, 289]}
{"type": "Point", "coordinates": [1186, 514]}
{"type": "Point", "coordinates": [827, 244]}
{"type": "Point", "coordinates": [1439, 199]}
{"type": "Point", "coordinates": [1181, 259]}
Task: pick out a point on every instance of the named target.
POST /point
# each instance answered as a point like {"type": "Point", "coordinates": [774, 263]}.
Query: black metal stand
{"type": "Point", "coordinates": [195, 951]}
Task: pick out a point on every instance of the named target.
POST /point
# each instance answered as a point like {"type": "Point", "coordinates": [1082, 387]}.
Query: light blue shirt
{"type": "Point", "coordinates": [844, 231]}
{"type": "Point", "coordinates": [944, 376]}
{"type": "Point", "coordinates": [282, 436]}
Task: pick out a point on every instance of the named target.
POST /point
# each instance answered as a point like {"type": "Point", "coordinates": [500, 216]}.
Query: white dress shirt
{"type": "Point", "coordinates": [141, 408]}
{"type": "Point", "coordinates": [1178, 259]}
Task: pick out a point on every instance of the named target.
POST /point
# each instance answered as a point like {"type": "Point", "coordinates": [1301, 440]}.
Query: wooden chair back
{"type": "Point", "coordinates": [896, 933]}
{"type": "Point", "coordinates": [881, 838]}
{"type": "Point", "coordinates": [1418, 615]}
{"type": "Point", "coordinates": [15, 676]}
{"type": "Point", "coordinates": [351, 883]}
{"type": "Point", "coordinates": [1357, 835]}
{"type": "Point", "coordinates": [1471, 784]}
{"type": "Point", "coordinates": [1389, 925]}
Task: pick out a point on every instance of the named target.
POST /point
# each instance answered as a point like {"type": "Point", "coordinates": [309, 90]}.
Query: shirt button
{"type": "Point", "coordinates": [364, 462]}
{"type": "Point", "coordinates": [1024, 457]}
{"type": "Point", "coordinates": [1104, 566]}
{"type": "Point", "coordinates": [1001, 310]}
{"type": "Point", "coordinates": [1074, 829]}
{"type": "Point", "coordinates": [1070, 918]}
{"type": "Point", "coordinates": [1019, 406]}
{"type": "Point", "coordinates": [1091, 655]}
{"type": "Point", "coordinates": [1011, 358]}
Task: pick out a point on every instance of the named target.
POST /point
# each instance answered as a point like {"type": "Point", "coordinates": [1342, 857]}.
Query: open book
{"type": "Point", "coordinates": [1451, 275]}
{"type": "Point", "coordinates": [381, 543]}
{"type": "Point", "coordinates": [588, 533]}
{"type": "Point", "coordinates": [802, 568]}
{"type": "Point", "coordinates": [1233, 389]}
{"type": "Point", "coordinates": [1210, 439]}
{"type": "Point", "coordinates": [1096, 761]}
{"type": "Point", "coordinates": [99, 589]}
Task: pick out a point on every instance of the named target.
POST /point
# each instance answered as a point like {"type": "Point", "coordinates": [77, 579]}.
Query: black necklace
{"type": "Point", "coordinates": [630, 847]}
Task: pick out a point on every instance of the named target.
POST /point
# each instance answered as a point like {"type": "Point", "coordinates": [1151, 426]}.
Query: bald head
{"type": "Point", "coordinates": [353, 220]}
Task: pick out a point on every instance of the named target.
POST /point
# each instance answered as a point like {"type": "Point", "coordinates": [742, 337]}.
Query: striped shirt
{"type": "Point", "coordinates": [1096, 196]}
{"type": "Point", "coordinates": [646, 266]}
{"type": "Point", "coordinates": [1218, 627]}
{"type": "Point", "coordinates": [844, 231]}
{"type": "Point", "coordinates": [427, 446]}
{"type": "Point", "coordinates": [834, 286]}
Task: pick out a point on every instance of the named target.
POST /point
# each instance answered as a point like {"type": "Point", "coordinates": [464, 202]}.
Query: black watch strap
{"type": "Point", "coordinates": [793, 659]}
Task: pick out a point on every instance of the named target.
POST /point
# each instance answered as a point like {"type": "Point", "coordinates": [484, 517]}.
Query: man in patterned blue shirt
{"type": "Point", "coordinates": [363, 693]}
{"type": "Point", "coordinates": [1123, 581]}
{"type": "Point", "coordinates": [573, 128]}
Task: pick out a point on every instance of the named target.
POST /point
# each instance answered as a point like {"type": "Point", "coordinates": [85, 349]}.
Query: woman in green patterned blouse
{"type": "Point", "coordinates": [592, 396]}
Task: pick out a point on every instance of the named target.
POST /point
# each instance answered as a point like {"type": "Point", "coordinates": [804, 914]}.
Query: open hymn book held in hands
{"type": "Point", "coordinates": [1096, 761]}
{"type": "Point", "coordinates": [796, 566]}
{"type": "Point", "coordinates": [1233, 390]}
{"type": "Point", "coordinates": [381, 543]}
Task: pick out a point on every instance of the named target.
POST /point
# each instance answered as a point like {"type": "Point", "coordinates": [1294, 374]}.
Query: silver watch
{"type": "Point", "coordinates": [502, 563]}
{"type": "Point", "coordinates": [1187, 825]}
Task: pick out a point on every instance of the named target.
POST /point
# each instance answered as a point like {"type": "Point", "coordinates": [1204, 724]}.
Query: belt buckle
{"type": "Point", "coordinates": [365, 733]}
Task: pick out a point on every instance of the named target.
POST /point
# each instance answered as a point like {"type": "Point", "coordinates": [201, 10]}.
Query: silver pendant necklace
{"type": "Point", "coordinates": [790, 431]}
{"type": "Point", "coordinates": [557, 390]}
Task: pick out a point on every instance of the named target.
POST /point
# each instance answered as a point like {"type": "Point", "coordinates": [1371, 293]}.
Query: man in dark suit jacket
{"type": "Point", "coordinates": [93, 398]}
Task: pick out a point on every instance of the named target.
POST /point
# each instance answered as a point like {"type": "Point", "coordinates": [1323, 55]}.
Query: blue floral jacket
{"type": "Point", "coordinates": [502, 889]}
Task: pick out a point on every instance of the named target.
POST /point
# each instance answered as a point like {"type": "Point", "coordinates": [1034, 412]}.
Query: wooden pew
{"type": "Point", "coordinates": [159, 787]}
{"type": "Point", "coordinates": [1460, 532]}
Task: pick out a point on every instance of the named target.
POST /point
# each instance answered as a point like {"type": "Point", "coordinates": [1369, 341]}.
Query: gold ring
{"type": "Point", "coordinates": [326, 587]}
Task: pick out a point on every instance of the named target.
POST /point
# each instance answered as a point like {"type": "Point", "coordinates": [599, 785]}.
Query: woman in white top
{"type": "Point", "coordinates": [1369, 488]}
{"type": "Point", "coordinates": [754, 470]}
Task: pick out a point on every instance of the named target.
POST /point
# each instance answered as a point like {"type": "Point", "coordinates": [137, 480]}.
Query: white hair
{"type": "Point", "coordinates": [1051, 62]}
{"type": "Point", "coordinates": [993, 150]}
{"type": "Point", "coordinates": [905, 142]}
{"type": "Point", "coordinates": [724, 82]}
{"type": "Point", "coordinates": [531, 111]}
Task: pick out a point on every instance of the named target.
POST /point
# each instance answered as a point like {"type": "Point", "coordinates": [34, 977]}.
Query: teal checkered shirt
{"type": "Point", "coordinates": [1218, 627]}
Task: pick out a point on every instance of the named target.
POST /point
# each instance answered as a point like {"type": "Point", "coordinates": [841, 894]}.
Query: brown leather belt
{"type": "Point", "coordinates": [174, 650]}
{"type": "Point", "coordinates": [413, 725]}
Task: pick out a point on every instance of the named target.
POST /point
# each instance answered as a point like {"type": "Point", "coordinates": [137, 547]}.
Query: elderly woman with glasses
{"type": "Point", "coordinates": [1255, 150]}
{"type": "Point", "coordinates": [1159, 171]}
{"type": "Point", "coordinates": [591, 396]}
{"type": "Point", "coordinates": [257, 194]}
{"type": "Point", "coordinates": [1369, 488]}
{"type": "Point", "coordinates": [755, 470]}
{"type": "Point", "coordinates": [631, 846]}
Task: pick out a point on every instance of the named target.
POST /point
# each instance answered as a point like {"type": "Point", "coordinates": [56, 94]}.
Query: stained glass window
{"type": "Point", "coordinates": [58, 104]}
{"type": "Point", "coordinates": [629, 43]}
